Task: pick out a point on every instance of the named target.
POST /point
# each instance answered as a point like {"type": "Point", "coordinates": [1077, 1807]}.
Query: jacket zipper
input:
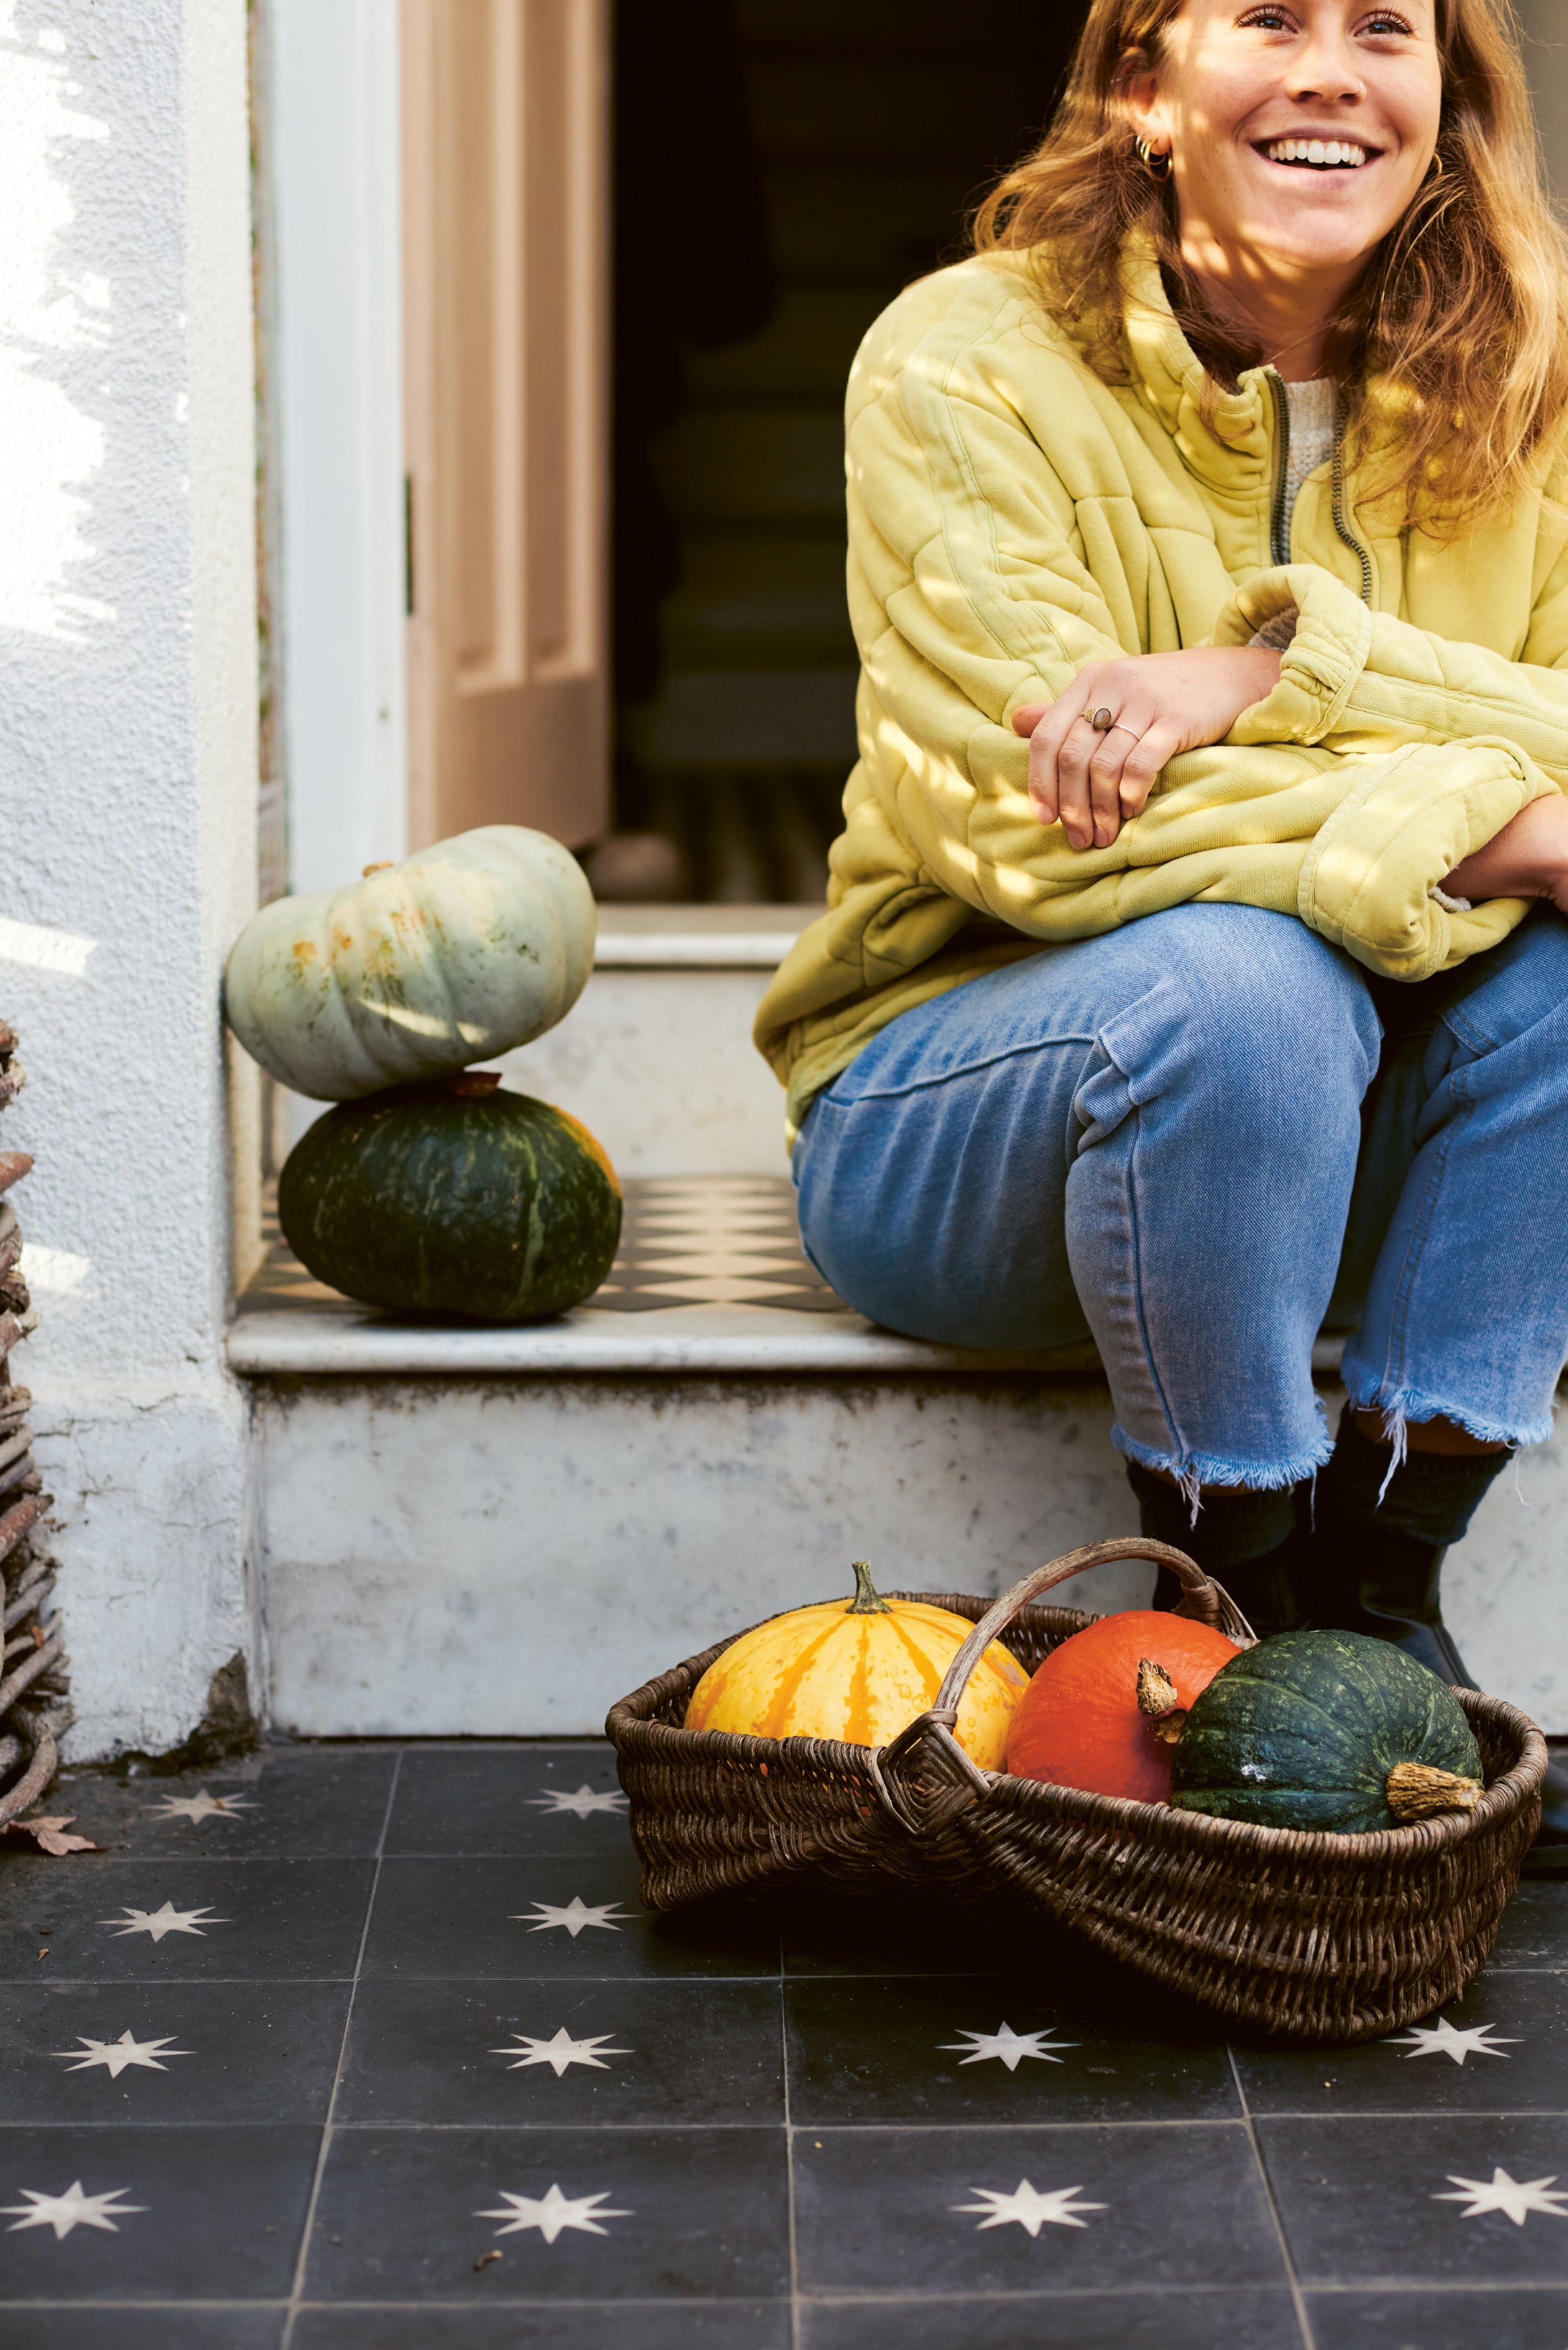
{"type": "Point", "coordinates": [1280, 533]}
{"type": "Point", "coordinates": [1341, 525]}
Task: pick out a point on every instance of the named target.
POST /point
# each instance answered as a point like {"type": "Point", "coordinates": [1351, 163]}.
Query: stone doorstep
{"type": "Point", "coordinates": [758, 1341]}
{"type": "Point", "coordinates": [709, 1277]}
{"type": "Point", "coordinates": [495, 1532]}
{"type": "Point", "coordinates": [474, 1532]}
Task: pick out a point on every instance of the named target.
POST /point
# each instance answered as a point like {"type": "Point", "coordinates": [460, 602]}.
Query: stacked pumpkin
{"type": "Point", "coordinates": [429, 1187]}
{"type": "Point", "coordinates": [1325, 1731]}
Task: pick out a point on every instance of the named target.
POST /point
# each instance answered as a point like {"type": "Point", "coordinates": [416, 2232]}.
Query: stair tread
{"type": "Point", "coordinates": [728, 1340]}
{"type": "Point", "coordinates": [712, 1240]}
{"type": "Point", "coordinates": [709, 1277]}
{"type": "Point", "coordinates": [710, 1274]}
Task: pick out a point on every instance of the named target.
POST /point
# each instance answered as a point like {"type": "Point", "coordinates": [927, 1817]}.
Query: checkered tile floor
{"type": "Point", "coordinates": [715, 1240]}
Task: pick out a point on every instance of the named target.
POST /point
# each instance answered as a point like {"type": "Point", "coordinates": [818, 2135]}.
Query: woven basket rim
{"type": "Point", "coordinates": [831, 1758]}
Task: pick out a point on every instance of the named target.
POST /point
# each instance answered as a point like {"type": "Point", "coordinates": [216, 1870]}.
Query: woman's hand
{"type": "Point", "coordinates": [1162, 704]}
{"type": "Point", "coordinates": [1527, 858]}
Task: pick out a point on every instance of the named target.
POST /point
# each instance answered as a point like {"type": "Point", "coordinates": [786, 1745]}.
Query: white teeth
{"type": "Point", "coordinates": [1325, 153]}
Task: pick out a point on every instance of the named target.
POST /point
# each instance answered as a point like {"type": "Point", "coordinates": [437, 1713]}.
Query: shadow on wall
{"type": "Point", "coordinates": [91, 358]}
{"type": "Point", "coordinates": [55, 341]}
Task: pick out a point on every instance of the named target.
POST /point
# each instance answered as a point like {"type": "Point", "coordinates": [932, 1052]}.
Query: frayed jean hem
{"type": "Point", "coordinates": [1193, 1471]}
{"type": "Point", "coordinates": [1401, 1406]}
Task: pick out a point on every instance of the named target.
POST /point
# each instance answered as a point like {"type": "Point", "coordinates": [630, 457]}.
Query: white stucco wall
{"type": "Point", "coordinates": [128, 765]}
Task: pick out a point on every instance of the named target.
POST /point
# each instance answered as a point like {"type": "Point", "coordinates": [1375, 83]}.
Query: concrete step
{"type": "Point", "coordinates": [494, 1532]}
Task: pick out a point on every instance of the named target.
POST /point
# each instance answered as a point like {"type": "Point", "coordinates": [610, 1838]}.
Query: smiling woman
{"type": "Point", "coordinates": [1209, 564]}
{"type": "Point", "coordinates": [1425, 258]}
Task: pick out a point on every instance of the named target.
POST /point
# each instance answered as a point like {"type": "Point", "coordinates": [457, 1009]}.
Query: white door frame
{"type": "Point", "coordinates": [336, 373]}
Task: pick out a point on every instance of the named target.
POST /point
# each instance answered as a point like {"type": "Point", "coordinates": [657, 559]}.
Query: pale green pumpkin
{"type": "Point", "coordinates": [467, 950]}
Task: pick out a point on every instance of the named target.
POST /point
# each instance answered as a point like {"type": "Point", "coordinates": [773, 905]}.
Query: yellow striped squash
{"type": "Point", "coordinates": [859, 1672]}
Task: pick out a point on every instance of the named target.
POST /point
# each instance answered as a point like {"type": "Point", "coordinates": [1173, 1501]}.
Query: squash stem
{"type": "Point", "coordinates": [1159, 1701]}
{"type": "Point", "coordinates": [1156, 1693]}
{"type": "Point", "coordinates": [1416, 1791]}
{"type": "Point", "coordinates": [867, 1600]}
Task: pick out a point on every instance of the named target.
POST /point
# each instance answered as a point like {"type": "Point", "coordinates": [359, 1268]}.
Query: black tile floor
{"type": "Point", "coordinates": [366, 2048]}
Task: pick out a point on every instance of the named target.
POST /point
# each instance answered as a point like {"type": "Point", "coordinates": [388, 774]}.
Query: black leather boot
{"type": "Point", "coordinates": [1246, 1541]}
{"type": "Point", "coordinates": [1390, 1591]}
{"type": "Point", "coordinates": [1389, 1585]}
{"type": "Point", "coordinates": [1369, 1574]}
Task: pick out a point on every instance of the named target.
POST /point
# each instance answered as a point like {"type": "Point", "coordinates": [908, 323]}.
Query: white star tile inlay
{"type": "Point", "coordinates": [72, 2209]}
{"type": "Point", "coordinates": [203, 1806]}
{"type": "Point", "coordinates": [552, 2212]}
{"type": "Point", "coordinates": [574, 1917]}
{"type": "Point", "coordinates": [1030, 2209]}
{"type": "Point", "coordinates": [166, 1921]}
{"type": "Point", "coordinates": [560, 2052]}
{"type": "Point", "coordinates": [581, 1803]}
{"type": "Point", "coordinates": [1446, 2039]}
{"type": "Point", "coordinates": [114, 2056]}
{"type": "Point", "coordinates": [1008, 2046]}
{"type": "Point", "coordinates": [1514, 2198]}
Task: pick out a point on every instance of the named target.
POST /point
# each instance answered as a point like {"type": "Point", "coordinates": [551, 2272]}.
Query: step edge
{"type": "Point", "coordinates": [698, 937]}
{"type": "Point", "coordinates": [307, 1343]}
{"type": "Point", "coordinates": [693, 950]}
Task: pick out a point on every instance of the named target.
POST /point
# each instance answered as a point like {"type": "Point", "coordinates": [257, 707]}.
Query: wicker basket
{"type": "Point", "coordinates": [1314, 1937]}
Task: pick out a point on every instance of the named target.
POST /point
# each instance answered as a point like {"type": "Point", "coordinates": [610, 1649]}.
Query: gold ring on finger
{"type": "Point", "coordinates": [1103, 721]}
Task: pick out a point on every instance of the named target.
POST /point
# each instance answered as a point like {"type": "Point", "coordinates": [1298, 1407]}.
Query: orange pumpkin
{"type": "Point", "coordinates": [860, 1673]}
{"type": "Point", "coordinates": [1081, 1723]}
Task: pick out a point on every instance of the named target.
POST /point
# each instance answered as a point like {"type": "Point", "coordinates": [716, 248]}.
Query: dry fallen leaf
{"type": "Point", "coordinates": [50, 1834]}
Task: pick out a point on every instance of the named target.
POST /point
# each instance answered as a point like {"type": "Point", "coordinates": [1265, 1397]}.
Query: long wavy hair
{"type": "Point", "coordinates": [1453, 347]}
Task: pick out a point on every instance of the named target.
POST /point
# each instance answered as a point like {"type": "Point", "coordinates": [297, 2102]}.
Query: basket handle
{"type": "Point", "coordinates": [923, 1778]}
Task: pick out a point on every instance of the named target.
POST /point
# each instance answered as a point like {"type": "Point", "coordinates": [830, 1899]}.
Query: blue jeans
{"type": "Point", "coordinates": [1177, 1139]}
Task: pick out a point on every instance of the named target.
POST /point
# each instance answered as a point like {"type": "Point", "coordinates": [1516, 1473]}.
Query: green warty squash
{"type": "Point", "coordinates": [452, 1197]}
{"type": "Point", "coordinates": [1328, 1730]}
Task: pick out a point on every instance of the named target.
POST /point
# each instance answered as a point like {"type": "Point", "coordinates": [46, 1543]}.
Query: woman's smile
{"type": "Point", "coordinates": [1317, 151]}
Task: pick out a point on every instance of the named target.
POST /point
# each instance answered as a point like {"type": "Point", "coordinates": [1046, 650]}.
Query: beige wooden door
{"type": "Point", "coordinates": [505, 228]}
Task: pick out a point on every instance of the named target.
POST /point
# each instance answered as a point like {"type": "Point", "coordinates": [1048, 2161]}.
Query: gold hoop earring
{"type": "Point", "coordinates": [1156, 161]}
{"type": "Point", "coordinates": [1436, 167]}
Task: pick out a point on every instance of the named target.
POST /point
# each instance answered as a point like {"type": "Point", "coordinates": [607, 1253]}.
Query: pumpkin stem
{"type": "Point", "coordinates": [1159, 1699]}
{"type": "Point", "coordinates": [473, 1085]}
{"type": "Point", "coordinates": [1414, 1791]}
{"type": "Point", "coordinates": [867, 1600]}
{"type": "Point", "coordinates": [382, 865]}
{"type": "Point", "coordinates": [1157, 1692]}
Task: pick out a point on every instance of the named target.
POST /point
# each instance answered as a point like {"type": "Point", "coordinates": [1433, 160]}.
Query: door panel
{"type": "Point", "coordinates": [506, 307]}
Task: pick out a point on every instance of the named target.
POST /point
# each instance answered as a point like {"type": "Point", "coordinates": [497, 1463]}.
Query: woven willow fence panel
{"type": "Point", "coordinates": [33, 1688]}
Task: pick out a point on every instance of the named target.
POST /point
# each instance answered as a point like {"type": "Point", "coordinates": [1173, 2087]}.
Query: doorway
{"type": "Point", "coordinates": [783, 169]}
{"type": "Point", "coordinates": [447, 190]}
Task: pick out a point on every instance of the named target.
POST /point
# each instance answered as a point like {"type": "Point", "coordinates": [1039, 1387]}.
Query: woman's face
{"type": "Point", "coordinates": [1298, 133]}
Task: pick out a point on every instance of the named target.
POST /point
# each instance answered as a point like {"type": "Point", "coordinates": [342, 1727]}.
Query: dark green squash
{"type": "Point", "coordinates": [1325, 1729]}
{"type": "Point", "coordinates": [452, 1197]}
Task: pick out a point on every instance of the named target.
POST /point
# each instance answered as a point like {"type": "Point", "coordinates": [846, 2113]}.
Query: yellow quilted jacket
{"type": "Point", "coordinates": [1013, 517]}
